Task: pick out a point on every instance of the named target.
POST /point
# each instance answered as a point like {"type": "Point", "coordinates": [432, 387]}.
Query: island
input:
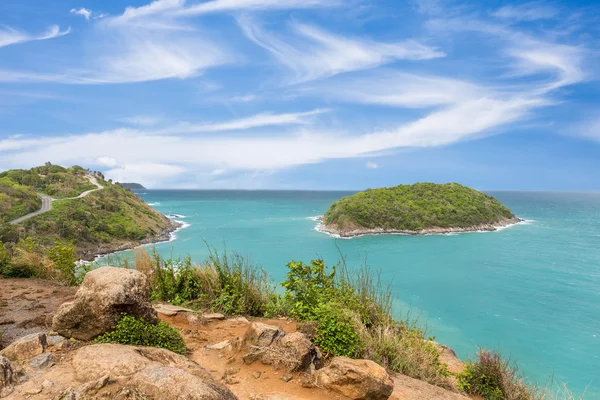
{"type": "Point", "coordinates": [49, 205]}
{"type": "Point", "coordinates": [419, 209]}
{"type": "Point", "coordinates": [132, 186]}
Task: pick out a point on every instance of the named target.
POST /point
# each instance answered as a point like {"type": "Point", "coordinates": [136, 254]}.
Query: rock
{"type": "Point", "coordinates": [256, 374]}
{"type": "Point", "coordinates": [7, 377]}
{"type": "Point", "coordinates": [56, 341]}
{"type": "Point", "coordinates": [231, 371]}
{"type": "Point", "coordinates": [213, 317]}
{"type": "Point", "coordinates": [449, 357]}
{"type": "Point", "coordinates": [170, 310]}
{"type": "Point", "coordinates": [286, 377]}
{"type": "Point", "coordinates": [219, 346]}
{"type": "Point", "coordinates": [232, 380]}
{"type": "Point", "coordinates": [26, 347]}
{"type": "Point", "coordinates": [195, 320]}
{"type": "Point", "coordinates": [309, 329]}
{"type": "Point", "coordinates": [42, 361]}
{"type": "Point", "coordinates": [94, 386]}
{"type": "Point", "coordinates": [302, 351]}
{"type": "Point", "coordinates": [356, 379]}
{"type": "Point", "coordinates": [105, 294]}
{"type": "Point", "coordinates": [410, 388]}
{"type": "Point", "coordinates": [172, 383]}
{"type": "Point", "coordinates": [46, 384]}
{"type": "Point", "coordinates": [262, 335]}
{"type": "Point", "coordinates": [95, 361]}
{"type": "Point", "coordinates": [242, 320]}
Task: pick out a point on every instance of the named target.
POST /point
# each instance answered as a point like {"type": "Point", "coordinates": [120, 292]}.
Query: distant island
{"type": "Point", "coordinates": [46, 205]}
{"type": "Point", "coordinates": [132, 186]}
{"type": "Point", "coordinates": [422, 208]}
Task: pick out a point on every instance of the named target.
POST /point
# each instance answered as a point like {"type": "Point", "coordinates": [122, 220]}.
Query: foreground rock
{"type": "Point", "coordinates": [26, 347]}
{"type": "Point", "coordinates": [158, 373]}
{"type": "Point", "coordinates": [105, 294]}
{"type": "Point", "coordinates": [406, 388]}
{"type": "Point", "coordinates": [356, 379]}
{"type": "Point", "coordinates": [7, 377]}
{"type": "Point", "coordinates": [262, 335]}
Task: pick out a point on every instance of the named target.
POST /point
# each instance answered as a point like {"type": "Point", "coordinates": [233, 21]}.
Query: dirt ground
{"type": "Point", "coordinates": [27, 304]}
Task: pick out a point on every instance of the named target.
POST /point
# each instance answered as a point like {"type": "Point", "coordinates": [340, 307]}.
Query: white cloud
{"type": "Point", "coordinates": [313, 53]}
{"type": "Point", "coordinates": [151, 174]}
{"type": "Point", "coordinates": [254, 121]}
{"type": "Point", "coordinates": [371, 165]}
{"type": "Point", "coordinates": [141, 120]}
{"type": "Point", "coordinates": [398, 89]}
{"type": "Point", "coordinates": [244, 99]}
{"type": "Point", "coordinates": [526, 12]}
{"type": "Point", "coordinates": [177, 8]}
{"type": "Point", "coordinates": [107, 161]}
{"type": "Point", "coordinates": [84, 12]}
{"type": "Point", "coordinates": [10, 36]}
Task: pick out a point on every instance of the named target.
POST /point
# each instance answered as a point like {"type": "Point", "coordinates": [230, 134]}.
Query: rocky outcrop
{"type": "Point", "coordinates": [105, 294]}
{"type": "Point", "coordinates": [7, 377]}
{"type": "Point", "coordinates": [26, 347]}
{"type": "Point", "coordinates": [157, 373]}
{"type": "Point", "coordinates": [356, 379]}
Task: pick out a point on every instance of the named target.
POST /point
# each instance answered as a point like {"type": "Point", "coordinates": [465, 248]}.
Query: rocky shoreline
{"type": "Point", "coordinates": [427, 231]}
{"type": "Point", "coordinates": [164, 235]}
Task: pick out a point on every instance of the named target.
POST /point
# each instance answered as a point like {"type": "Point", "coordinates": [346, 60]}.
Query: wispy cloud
{"type": "Point", "coordinates": [10, 36]}
{"type": "Point", "coordinates": [371, 165]}
{"type": "Point", "coordinates": [526, 12]}
{"type": "Point", "coordinates": [313, 53]}
{"type": "Point", "coordinates": [255, 121]}
{"type": "Point", "coordinates": [84, 12]}
{"type": "Point", "coordinates": [178, 8]}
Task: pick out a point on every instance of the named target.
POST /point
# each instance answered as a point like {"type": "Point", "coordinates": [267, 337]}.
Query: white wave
{"type": "Point", "coordinates": [154, 204]}
{"type": "Point", "coordinates": [173, 216]}
{"type": "Point", "coordinates": [315, 218]}
{"type": "Point", "coordinates": [173, 235]}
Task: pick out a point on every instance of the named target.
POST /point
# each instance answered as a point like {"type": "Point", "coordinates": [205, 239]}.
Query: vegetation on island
{"type": "Point", "coordinates": [415, 207]}
{"type": "Point", "coordinates": [106, 220]}
{"type": "Point", "coordinates": [132, 186]}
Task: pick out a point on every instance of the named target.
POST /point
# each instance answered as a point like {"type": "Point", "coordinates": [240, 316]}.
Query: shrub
{"type": "Point", "coordinates": [494, 378]}
{"type": "Point", "coordinates": [133, 331]}
{"type": "Point", "coordinates": [336, 334]}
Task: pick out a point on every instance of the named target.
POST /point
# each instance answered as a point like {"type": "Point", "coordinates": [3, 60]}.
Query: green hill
{"type": "Point", "coordinates": [132, 186]}
{"type": "Point", "coordinates": [418, 208]}
{"type": "Point", "coordinates": [106, 220]}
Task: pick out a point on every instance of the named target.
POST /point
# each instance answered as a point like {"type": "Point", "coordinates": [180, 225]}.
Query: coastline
{"type": "Point", "coordinates": [321, 227]}
{"type": "Point", "coordinates": [165, 235]}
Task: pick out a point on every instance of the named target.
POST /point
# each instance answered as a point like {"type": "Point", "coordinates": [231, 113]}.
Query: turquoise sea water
{"type": "Point", "coordinates": [532, 290]}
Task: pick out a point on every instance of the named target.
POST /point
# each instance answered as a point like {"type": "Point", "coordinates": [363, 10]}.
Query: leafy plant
{"type": "Point", "coordinates": [133, 331]}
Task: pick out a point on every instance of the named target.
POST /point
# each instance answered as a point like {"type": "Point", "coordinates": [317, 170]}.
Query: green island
{"type": "Point", "coordinates": [421, 208]}
{"type": "Point", "coordinates": [132, 186]}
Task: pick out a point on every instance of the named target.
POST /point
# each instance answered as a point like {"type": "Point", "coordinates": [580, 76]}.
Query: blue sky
{"type": "Point", "coordinates": [305, 94]}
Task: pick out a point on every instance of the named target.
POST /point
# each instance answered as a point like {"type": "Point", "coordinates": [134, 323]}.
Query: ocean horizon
{"type": "Point", "coordinates": [530, 291]}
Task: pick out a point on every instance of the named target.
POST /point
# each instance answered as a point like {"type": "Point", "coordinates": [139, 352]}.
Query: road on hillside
{"type": "Point", "coordinates": [47, 201]}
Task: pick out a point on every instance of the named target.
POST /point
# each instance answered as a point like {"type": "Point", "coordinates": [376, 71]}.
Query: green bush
{"type": "Point", "coordinates": [133, 331]}
{"type": "Point", "coordinates": [336, 334]}
{"type": "Point", "coordinates": [494, 378]}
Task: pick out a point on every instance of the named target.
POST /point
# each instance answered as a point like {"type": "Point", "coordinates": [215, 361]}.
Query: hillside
{"type": "Point", "coordinates": [106, 220]}
{"type": "Point", "coordinates": [416, 209]}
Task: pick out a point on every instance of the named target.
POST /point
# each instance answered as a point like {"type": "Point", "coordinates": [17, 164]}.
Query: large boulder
{"type": "Point", "coordinates": [7, 377]}
{"type": "Point", "coordinates": [26, 347]}
{"type": "Point", "coordinates": [105, 294]}
{"type": "Point", "coordinates": [295, 352]}
{"type": "Point", "coordinates": [158, 373]}
{"type": "Point", "coordinates": [356, 379]}
{"type": "Point", "coordinates": [262, 335]}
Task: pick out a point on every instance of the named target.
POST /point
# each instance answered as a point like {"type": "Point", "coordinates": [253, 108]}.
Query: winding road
{"type": "Point", "coordinates": [47, 201]}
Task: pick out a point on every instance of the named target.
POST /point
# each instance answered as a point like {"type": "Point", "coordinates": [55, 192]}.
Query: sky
{"type": "Point", "coordinates": [305, 94]}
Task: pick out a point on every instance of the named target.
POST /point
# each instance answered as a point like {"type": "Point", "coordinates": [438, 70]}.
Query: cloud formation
{"type": "Point", "coordinates": [9, 36]}
{"type": "Point", "coordinates": [84, 12]}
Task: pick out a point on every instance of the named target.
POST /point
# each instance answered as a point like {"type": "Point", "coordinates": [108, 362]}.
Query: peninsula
{"type": "Point", "coordinates": [51, 204]}
{"type": "Point", "coordinates": [422, 208]}
{"type": "Point", "coordinates": [132, 186]}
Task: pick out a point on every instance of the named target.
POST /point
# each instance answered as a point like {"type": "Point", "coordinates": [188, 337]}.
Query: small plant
{"type": "Point", "coordinates": [494, 378]}
{"type": "Point", "coordinates": [336, 334]}
{"type": "Point", "coordinates": [133, 331]}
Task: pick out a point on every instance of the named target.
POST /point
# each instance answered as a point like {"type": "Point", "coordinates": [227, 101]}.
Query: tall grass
{"type": "Point", "coordinates": [226, 282]}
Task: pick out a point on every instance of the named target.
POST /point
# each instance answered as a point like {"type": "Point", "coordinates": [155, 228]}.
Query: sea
{"type": "Point", "coordinates": [530, 291]}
